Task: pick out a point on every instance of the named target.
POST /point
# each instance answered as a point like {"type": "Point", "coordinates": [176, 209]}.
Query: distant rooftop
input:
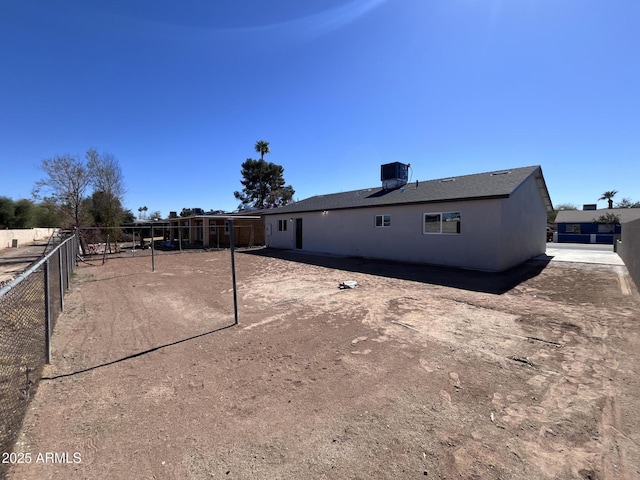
{"type": "Point", "coordinates": [586, 216]}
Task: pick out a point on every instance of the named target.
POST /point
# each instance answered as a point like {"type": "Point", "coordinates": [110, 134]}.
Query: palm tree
{"type": "Point", "coordinates": [262, 147]}
{"type": "Point", "coordinates": [608, 196]}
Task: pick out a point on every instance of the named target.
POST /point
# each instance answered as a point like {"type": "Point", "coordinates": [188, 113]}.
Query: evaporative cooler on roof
{"type": "Point", "coordinates": [394, 175]}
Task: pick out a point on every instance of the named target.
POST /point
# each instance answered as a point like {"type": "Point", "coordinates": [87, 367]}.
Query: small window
{"type": "Point", "coordinates": [383, 220]}
{"type": "Point", "coordinates": [282, 225]}
{"type": "Point", "coordinates": [442, 223]}
{"type": "Point", "coordinates": [572, 228]}
{"type": "Point", "coordinates": [606, 228]}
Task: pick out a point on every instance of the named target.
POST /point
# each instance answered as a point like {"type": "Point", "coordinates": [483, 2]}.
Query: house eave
{"type": "Point", "coordinates": [391, 204]}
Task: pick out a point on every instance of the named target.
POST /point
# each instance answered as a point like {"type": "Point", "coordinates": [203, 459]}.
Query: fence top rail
{"type": "Point", "coordinates": [16, 281]}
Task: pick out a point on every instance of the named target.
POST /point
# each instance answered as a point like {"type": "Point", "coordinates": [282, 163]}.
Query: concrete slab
{"type": "Point", "coordinates": [567, 252]}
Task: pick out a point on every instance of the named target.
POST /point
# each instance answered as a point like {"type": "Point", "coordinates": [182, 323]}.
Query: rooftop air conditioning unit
{"type": "Point", "coordinates": [394, 175]}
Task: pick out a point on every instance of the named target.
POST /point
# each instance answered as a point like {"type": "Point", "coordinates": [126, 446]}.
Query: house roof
{"type": "Point", "coordinates": [497, 184]}
{"type": "Point", "coordinates": [230, 216]}
{"type": "Point", "coordinates": [588, 216]}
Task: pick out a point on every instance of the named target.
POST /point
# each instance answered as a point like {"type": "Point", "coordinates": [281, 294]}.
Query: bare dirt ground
{"type": "Point", "coordinates": [14, 261]}
{"type": "Point", "coordinates": [419, 372]}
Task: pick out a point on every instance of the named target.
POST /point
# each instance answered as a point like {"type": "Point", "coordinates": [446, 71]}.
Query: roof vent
{"type": "Point", "coordinates": [500, 173]}
{"type": "Point", "coordinates": [444, 180]}
{"type": "Point", "coordinates": [394, 175]}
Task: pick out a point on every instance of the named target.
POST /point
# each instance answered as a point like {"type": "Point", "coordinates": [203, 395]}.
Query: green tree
{"type": "Point", "coordinates": [105, 210]}
{"type": "Point", "coordinates": [608, 196]}
{"type": "Point", "coordinates": [7, 212]}
{"type": "Point", "coordinates": [263, 182]}
{"type": "Point", "coordinates": [24, 214]}
{"type": "Point", "coordinates": [128, 216]}
{"type": "Point", "coordinates": [47, 214]}
{"type": "Point", "coordinates": [609, 219]}
{"type": "Point", "coordinates": [262, 148]}
{"type": "Point", "coordinates": [627, 203]}
{"type": "Point", "coordinates": [109, 189]}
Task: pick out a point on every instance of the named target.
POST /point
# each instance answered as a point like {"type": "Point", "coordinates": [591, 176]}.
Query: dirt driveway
{"type": "Point", "coordinates": [419, 372]}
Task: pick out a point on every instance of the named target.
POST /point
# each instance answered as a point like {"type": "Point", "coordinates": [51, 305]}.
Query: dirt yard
{"type": "Point", "coordinates": [419, 372]}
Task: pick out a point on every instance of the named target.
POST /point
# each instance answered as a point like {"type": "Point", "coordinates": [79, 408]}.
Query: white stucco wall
{"type": "Point", "coordinates": [24, 236]}
{"type": "Point", "coordinates": [496, 234]}
{"type": "Point", "coordinates": [523, 221]}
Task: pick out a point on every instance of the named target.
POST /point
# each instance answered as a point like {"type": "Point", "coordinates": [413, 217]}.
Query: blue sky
{"type": "Point", "coordinates": [179, 92]}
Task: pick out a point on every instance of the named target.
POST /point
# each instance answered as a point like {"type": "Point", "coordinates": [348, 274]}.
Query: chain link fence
{"type": "Point", "coordinates": [29, 307]}
{"type": "Point", "coordinates": [102, 243]}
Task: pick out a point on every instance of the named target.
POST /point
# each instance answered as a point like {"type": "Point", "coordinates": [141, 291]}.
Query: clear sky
{"type": "Point", "coordinates": [179, 92]}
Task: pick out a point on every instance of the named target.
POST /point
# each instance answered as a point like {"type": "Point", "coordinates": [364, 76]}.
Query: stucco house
{"type": "Point", "coordinates": [488, 221]}
{"type": "Point", "coordinates": [584, 226]}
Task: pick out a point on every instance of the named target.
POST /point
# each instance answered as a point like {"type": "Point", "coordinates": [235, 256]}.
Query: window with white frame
{"type": "Point", "coordinates": [442, 223]}
{"type": "Point", "coordinates": [282, 225]}
{"type": "Point", "coordinates": [383, 221]}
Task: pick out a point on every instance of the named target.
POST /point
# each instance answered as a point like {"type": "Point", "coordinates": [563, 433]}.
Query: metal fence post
{"type": "Point", "coordinates": [233, 273]}
{"type": "Point", "coordinates": [153, 258]}
{"type": "Point", "coordinates": [75, 247]}
{"type": "Point", "coordinates": [61, 279]}
{"type": "Point", "coordinates": [47, 313]}
{"type": "Point", "coordinates": [65, 262]}
{"type": "Point", "coordinates": [104, 253]}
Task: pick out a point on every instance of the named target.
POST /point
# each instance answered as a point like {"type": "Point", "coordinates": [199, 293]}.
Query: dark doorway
{"type": "Point", "coordinates": [299, 233]}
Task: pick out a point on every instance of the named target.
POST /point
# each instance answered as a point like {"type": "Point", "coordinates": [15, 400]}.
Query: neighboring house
{"type": "Point", "coordinates": [582, 226]}
{"type": "Point", "coordinates": [488, 221]}
{"type": "Point", "coordinates": [213, 230]}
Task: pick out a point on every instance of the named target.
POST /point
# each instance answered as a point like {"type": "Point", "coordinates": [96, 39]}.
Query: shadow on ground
{"type": "Point", "coordinates": [494, 283]}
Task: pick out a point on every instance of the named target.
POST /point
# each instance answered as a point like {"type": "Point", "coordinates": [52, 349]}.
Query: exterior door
{"type": "Point", "coordinates": [299, 233]}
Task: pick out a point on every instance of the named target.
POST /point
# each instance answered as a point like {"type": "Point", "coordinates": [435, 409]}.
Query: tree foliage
{"type": "Point", "coordinates": [25, 213]}
{"type": "Point", "coordinates": [103, 210]}
{"type": "Point", "coordinates": [262, 148]}
{"type": "Point", "coordinates": [263, 182]}
{"type": "Point", "coordinates": [551, 216]}
{"type": "Point", "coordinates": [67, 181]}
{"type": "Point", "coordinates": [109, 189]}
{"type": "Point", "coordinates": [142, 212]}
{"type": "Point", "coordinates": [608, 196]}
{"type": "Point", "coordinates": [155, 215]}
{"type": "Point", "coordinates": [610, 219]}
{"type": "Point", "coordinates": [627, 203]}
